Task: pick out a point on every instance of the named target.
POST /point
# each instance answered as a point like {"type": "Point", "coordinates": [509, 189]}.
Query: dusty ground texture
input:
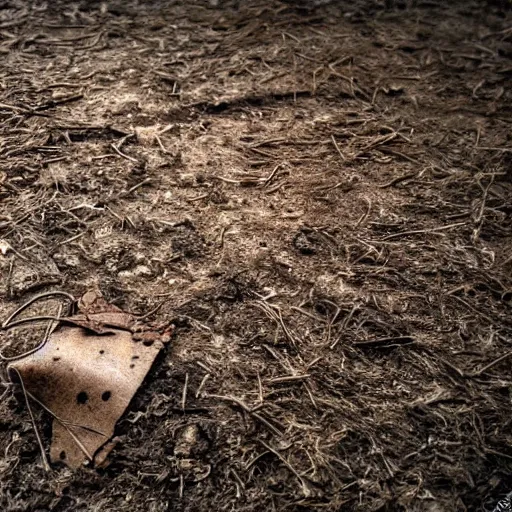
{"type": "Point", "coordinates": [321, 196]}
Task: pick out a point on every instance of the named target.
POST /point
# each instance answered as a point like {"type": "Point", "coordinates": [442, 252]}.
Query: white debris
{"type": "Point", "coordinates": [5, 247]}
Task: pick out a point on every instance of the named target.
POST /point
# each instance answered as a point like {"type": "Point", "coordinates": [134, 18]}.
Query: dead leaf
{"type": "Point", "coordinates": [86, 375]}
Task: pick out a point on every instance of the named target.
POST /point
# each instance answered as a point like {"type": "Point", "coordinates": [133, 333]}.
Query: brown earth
{"type": "Point", "coordinates": [321, 195]}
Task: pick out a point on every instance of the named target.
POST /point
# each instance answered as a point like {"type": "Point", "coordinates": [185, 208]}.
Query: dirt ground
{"type": "Point", "coordinates": [319, 196]}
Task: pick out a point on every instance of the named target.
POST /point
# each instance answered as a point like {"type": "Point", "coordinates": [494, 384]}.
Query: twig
{"type": "Point", "coordinates": [198, 198]}
{"type": "Point", "coordinates": [64, 422]}
{"type": "Point", "coordinates": [31, 319]}
{"type": "Point", "coordinates": [157, 137]}
{"type": "Point", "coordinates": [221, 236]}
{"type": "Point", "coordinates": [201, 385]}
{"type": "Point", "coordinates": [117, 147]}
{"type": "Point", "coordinates": [310, 394]}
{"type": "Point", "coordinates": [182, 485]}
{"type": "Point", "coordinates": [478, 134]}
{"type": "Point", "coordinates": [490, 365]}
{"type": "Point", "coordinates": [12, 249]}
{"type": "Point", "coordinates": [337, 148]}
{"type": "Point", "coordinates": [35, 299]}
{"type": "Point", "coordinates": [469, 306]}
{"type": "Point", "coordinates": [398, 153]}
{"type": "Point", "coordinates": [118, 151]}
{"type": "Point", "coordinates": [365, 215]}
{"type": "Point", "coordinates": [397, 180]}
{"type": "Point", "coordinates": [72, 239]}
{"type": "Point", "coordinates": [227, 180]}
{"type": "Point", "coordinates": [36, 431]}
{"type": "Point", "coordinates": [247, 409]}
{"type": "Point", "coordinates": [274, 313]}
{"type": "Point", "coordinates": [487, 148]}
{"type": "Point", "coordinates": [499, 33]}
{"type": "Point", "coordinates": [305, 488]}
{"type": "Point", "coordinates": [260, 389]}
{"type": "Point", "coordinates": [345, 323]}
{"type": "Point", "coordinates": [420, 231]}
{"type": "Point", "coordinates": [184, 394]}
{"type": "Point", "coordinates": [122, 195]}
{"type": "Point", "coordinates": [239, 483]}
{"type": "Point", "coordinates": [479, 217]}
{"type": "Point", "coordinates": [151, 312]}
{"type": "Point", "coordinates": [271, 175]}
{"type": "Point", "coordinates": [54, 103]}
{"type": "Point", "coordinates": [308, 314]}
{"type": "Point", "coordinates": [289, 378]}
{"type": "Point", "coordinates": [385, 342]}
{"type": "Point", "coordinates": [379, 141]}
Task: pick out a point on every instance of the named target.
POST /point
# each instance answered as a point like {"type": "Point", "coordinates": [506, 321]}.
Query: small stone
{"type": "Point", "coordinates": [4, 247]}
{"type": "Point", "coordinates": [142, 270]}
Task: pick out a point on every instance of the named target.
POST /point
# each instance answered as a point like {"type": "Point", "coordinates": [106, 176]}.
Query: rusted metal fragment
{"type": "Point", "coordinates": [86, 377]}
